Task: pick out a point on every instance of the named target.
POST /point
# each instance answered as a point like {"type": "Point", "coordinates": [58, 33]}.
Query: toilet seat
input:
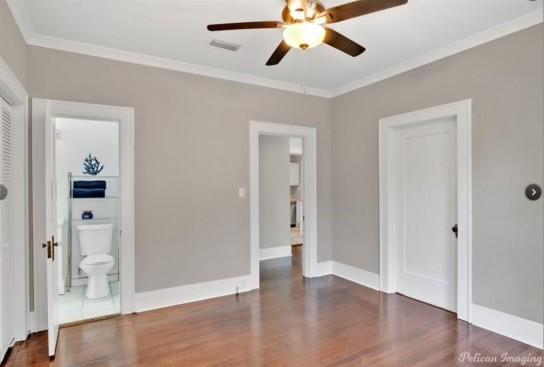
{"type": "Point", "coordinates": [97, 259]}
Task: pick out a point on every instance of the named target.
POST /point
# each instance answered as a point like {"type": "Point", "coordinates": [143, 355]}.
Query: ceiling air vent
{"type": "Point", "coordinates": [224, 45]}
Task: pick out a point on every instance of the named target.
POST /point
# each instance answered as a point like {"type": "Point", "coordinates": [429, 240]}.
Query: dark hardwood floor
{"type": "Point", "coordinates": [326, 321]}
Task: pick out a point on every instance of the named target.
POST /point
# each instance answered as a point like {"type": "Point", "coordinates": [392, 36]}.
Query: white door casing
{"type": "Point", "coordinates": [43, 113]}
{"type": "Point", "coordinates": [6, 228]}
{"type": "Point", "coordinates": [309, 192]}
{"type": "Point", "coordinates": [12, 91]}
{"type": "Point", "coordinates": [460, 113]}
{"type": "Point", "coordinates": [427, 210]}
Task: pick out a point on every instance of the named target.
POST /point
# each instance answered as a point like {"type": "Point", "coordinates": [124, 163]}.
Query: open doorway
{"type": "Point", "coordinates": [94, 205]}
{"type": "Point", "coordinates": [88, 192]}
{"type": "Point", "coordinates": [296, 178]}
{"type": "Point", "coordinates": [274, 239]}
{"type": "Point", "coordinates": [280, 216]}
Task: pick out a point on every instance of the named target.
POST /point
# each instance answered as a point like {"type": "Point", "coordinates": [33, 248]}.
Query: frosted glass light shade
{"type": "Point", "coordinates": [304, 35]}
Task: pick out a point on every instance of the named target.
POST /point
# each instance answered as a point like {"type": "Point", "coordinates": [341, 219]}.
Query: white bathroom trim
{"type": "Point", "coordinates": [274, 252]}
{"type": "Point", "coordinates": [309, 250]}
{"type": "Point", "coordinates": [43, 111]}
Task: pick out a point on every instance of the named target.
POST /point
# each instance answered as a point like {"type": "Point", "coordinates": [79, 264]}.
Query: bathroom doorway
{"type": "Point", "coordinates": [88, 192]}
{"type": "Point", "coordinates": [83, 214]}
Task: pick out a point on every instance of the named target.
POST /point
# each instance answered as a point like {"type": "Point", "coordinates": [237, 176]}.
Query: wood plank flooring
{"type": "Point", "coordinates": [292, 322]}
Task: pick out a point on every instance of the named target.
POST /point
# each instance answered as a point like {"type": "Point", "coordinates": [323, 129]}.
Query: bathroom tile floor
{"type": "Point", "coordinates": [74, 306]}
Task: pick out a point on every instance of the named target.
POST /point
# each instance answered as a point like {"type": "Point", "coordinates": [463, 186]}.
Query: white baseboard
{"type": "Point", "coordinates": [356, 275]}
{"type": "Point", "coordinates": [323, 268]}
{"type": "Point", "coordinates": [160, 298]}
{"type": "Point", "coordinates": [274, 252]}
{"type": "Point", "coordinates": [523, 330]}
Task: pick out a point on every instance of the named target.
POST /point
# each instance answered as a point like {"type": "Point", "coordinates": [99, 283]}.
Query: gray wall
{"type": "Point", "coordinates": [192, 154]}
{"type": "Point", "coordinates": [192, 144]}
{"type": "Point", "coordinates": [504, 78]}
{"type": "Point", "coordinates": [274, 202]}
{"type": "Point", "coordinates": [13, 48]}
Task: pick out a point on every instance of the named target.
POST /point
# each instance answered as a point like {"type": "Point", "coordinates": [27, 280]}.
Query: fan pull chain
{"type": "Point", "coordinates": [305, 72]}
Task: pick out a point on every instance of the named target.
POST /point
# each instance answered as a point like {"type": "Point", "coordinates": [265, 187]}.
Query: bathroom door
{"type": "Point", "coordinates": [50, 244]}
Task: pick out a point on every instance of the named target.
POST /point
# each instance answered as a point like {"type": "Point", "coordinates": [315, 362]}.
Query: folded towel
{"type": "Point", "coordinates": [89, 193]}
{"type": "Point", "coordinates": [95, 184]}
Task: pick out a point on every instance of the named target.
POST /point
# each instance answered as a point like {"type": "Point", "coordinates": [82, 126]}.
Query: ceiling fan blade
{"type": "Point", "coordinates": [244, 25]}
{"type": "Point", "coordinates": [278, 54]}
{"type": "Point", "coordinates": [358, 8]}
{"type": "Point", "coordinates": [342, 43]}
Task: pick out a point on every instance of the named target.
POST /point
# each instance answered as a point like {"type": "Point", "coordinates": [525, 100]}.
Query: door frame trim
{"type": "Point", "coordinates": [462, 112]}
{"type": "Point", "coordinates": [15, 94]}
{"type": "Point", "coordinates": [42, 111]}
{"type": "Point", "coordinates": [309, 151]}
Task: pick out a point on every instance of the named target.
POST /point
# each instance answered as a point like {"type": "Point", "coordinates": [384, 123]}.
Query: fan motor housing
{"type": "Point", "coordinates": [288, 18]}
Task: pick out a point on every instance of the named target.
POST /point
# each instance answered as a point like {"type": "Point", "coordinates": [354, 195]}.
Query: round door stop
{"type": "Point", "coordinates": [533, 192]}
{"type": "Point", "coordinates": [3, 192]}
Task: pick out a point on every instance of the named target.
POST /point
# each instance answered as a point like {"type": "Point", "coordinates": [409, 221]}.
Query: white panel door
{"type": "Point", "coordinates": [51, 245]}
{"type": "Point", "coordinates": [6, 227]}
{"type": "Point", "coordinates": [426, 247]}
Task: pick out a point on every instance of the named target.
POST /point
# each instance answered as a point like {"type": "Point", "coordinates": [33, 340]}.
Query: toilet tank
{"type": "Point", "coordinates": [95, 239]}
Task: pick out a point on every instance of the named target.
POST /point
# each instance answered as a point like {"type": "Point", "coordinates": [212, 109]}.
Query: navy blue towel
{"type": "Point", "coordinates": [89, 193]}
{"type": "Point", "coordinates": [95, 184]}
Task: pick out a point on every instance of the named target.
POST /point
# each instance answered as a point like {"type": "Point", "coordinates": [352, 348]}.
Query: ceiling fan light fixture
{"type": "Point", "coordinates": [304, 35]}
{"type": "Point", "coordinates": [303, 23]}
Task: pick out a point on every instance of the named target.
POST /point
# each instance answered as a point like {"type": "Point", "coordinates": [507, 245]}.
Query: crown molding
{"type": "Point", "coordinates": [456, 47]}
{"type": "Point", "coordinates": [32, 38]}
{"type": "Point", "coordinates": [169, 64]}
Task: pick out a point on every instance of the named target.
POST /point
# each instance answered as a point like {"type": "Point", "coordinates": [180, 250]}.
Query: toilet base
{"type": "Point", "coordinates": [98, 286]}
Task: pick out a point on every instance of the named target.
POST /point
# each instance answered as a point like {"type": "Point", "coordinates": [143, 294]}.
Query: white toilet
{"type": "Point", "coordinates": [95, 243]}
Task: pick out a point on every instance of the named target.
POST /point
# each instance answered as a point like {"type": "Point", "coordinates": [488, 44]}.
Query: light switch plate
{"type": "Point", "coordinates": [242, 192]}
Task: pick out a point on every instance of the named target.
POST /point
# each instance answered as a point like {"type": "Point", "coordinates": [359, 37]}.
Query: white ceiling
{"type": "Point", "coordinates": [173, 33]}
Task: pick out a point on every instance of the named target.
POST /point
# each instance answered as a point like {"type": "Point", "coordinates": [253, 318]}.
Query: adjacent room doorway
{"type": "Point", "coordinates": [304, 192]}
{"type": "Point", "coordinates": [281, 180]}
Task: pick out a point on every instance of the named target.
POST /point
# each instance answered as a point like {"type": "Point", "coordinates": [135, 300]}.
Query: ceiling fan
{"type": "Point", "coordinates": [304, 25]}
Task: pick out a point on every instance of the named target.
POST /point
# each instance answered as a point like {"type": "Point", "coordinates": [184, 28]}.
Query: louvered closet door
{"type": "Point", "coordinates": [6, 227]}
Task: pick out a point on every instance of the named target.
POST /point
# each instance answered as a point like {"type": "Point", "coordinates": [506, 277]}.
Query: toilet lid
{"type": "Point", "coordinates": [97, 259]}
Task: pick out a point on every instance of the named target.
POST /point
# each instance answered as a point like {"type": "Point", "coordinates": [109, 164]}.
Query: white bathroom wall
{"type": "Point", "coordinates": [75, 140]}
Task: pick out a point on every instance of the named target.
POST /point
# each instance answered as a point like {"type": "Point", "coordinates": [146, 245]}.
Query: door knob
{"type": "Point", "coordinates": [49, 249]}
{"type": "Point", "coordinates": [455, 229]}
